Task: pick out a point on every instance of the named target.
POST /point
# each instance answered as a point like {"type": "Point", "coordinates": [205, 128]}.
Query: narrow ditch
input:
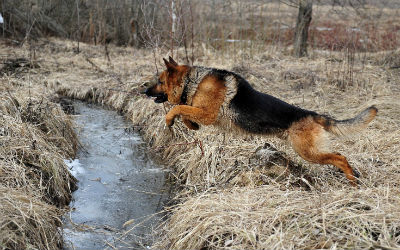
{"type": "Point", "coordinates": [121, 191]}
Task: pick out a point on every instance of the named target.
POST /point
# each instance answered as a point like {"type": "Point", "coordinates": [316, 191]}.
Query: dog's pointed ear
{"type": "Point", "coordinates": [166, 62]}
{"type": "Point", "coordinates": [170, 66]}
{"type": "Point", "coordinates": [172, 61]}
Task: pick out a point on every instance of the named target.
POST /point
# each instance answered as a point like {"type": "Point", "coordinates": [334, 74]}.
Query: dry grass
{"type": "Point", "coordinates": [234, 190]}
{"type": "Point", "coordinates": [267, 217]}
{"type": "Point", "coordinates": [27, 221]}
{"type": "Point", "coordinates": [35, 137]}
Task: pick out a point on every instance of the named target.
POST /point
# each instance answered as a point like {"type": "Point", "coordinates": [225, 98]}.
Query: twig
{"type": "Point", "coordinates": [376, 246]}
{"type": "Point", "coordinates": [200, 146]}
{"type": "Point", "coordinates": [192, 29]}
{"type": "Point", "coordinates": [107, 53]}
{"type": "Point", "coordinates": [110, 245]}
{"type": "Point", "coordinates": [146, 218]}
{"type": "Point", "coordinates": [176, 144]}
{"type": "Point", "coordinates": [94, 65]}
{"type": "Point", "coordinates": [28, 32]}
{"type": "Point", "coordinates": [144, 192]}
{"type": "Point", "coordinates": [289, 4]}
{"type": "Point", "coordinates": [173, 17]}
{"type": "Point", "coordinates": [79, 33]}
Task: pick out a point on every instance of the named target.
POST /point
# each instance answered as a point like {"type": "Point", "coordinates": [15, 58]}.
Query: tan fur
{"type": "Point", "coordinates": [307, 139]}
{"type": "Point", "coordinates": [205, 104]}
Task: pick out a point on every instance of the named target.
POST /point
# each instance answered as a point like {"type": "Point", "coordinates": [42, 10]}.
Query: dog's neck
{"type": "Point", "coordinates": [185, 82]}
{"type": "Point", "coordinates": [190, 81]}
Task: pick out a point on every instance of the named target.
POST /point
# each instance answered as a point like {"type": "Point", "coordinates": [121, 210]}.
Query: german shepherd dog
{"type": "Point", "coordinates": [208, 96]}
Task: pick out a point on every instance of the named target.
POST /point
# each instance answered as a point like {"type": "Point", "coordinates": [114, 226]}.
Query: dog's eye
{"type": "Point", "coordinates": [159, 82]}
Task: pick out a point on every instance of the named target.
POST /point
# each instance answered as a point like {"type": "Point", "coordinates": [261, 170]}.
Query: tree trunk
{"type": "Point", "coordinates": [302, 25]}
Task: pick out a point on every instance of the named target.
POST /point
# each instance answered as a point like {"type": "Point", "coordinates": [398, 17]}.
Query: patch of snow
{"type": "Point", "coordinates": [75, 167]}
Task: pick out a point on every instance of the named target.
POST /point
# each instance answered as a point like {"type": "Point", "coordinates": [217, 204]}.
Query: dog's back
{"type": "Point", "coordinates": [260, 113]}
{"type": "Point", "coordinates": [257, 112]}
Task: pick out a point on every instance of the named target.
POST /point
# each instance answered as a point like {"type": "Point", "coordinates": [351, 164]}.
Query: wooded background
{"type": "Point", "coordinates": [216, 23]}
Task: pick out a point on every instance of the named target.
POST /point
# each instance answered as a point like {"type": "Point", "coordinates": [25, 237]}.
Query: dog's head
{"type": "Point", "coordinates": [170, 83]}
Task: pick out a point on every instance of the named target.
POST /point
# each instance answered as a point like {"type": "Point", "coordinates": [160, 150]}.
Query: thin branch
{"type": "Point", "coordinates": [290, 4]}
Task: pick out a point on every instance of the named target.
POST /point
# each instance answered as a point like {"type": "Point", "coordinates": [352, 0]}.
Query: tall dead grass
{"type": "Point", "coordinates": [35, 137]}
{"type": "Point", "coordinates": [268, 217]}
{"type": "Point", "coordinates": [241, 191]}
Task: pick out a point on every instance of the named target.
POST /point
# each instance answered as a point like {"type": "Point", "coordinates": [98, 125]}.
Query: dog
{"type": "Point", "coordinates": [206, 96]}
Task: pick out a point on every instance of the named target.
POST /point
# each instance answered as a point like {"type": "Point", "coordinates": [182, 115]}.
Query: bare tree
{"type": "Point", "coordinates": [302, 24]}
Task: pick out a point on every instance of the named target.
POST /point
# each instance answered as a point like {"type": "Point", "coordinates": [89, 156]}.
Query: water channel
{"type": "Point", "coordinates": [121, 190]}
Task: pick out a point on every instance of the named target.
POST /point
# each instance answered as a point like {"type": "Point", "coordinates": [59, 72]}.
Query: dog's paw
{"type": "Point", "coordinates": [354, 178]}
{"type": "Point", "coordinates": [356, 173]}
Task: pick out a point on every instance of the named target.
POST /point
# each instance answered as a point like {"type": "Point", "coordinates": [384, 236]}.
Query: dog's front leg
{"type": "Point", "coordinates": [194, 114]}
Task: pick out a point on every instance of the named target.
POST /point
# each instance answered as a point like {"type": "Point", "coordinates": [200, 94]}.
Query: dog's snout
{"type": "Point", "coordinates": [151, 91]}
{"type": "Point", "coordinates": [147, 91]}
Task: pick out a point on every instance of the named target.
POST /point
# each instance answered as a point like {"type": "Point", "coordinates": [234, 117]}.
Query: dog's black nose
{"type": "Point", "coordinates": [147, 92]}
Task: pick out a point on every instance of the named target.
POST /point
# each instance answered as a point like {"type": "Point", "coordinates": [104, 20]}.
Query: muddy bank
{"type": "Point", "coordinates": [121, 190]}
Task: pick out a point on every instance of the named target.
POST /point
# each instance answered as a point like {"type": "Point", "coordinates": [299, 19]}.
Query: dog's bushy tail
{"type": "Point", "coordinates": [348, 126]}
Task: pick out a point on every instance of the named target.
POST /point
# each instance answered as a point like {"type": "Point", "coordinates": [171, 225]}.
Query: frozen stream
{"type": "Point", "coordinates": [121, 191]}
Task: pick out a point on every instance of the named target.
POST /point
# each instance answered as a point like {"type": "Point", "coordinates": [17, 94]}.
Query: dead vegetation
{"type": "Point", "coordinates": [35, 137]}
{"type": "Point", "coordinates": [236, 191]}
{"type": "Point", "coordinates": [239, 191]}
{"type": "Point", "coordinates": [267, 217]}
{"type": "Point", "coordinates": [14, 65]}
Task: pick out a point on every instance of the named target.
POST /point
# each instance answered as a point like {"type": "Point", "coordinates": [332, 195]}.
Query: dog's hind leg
{"type": "Point", "coordinates": [307, 138]}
